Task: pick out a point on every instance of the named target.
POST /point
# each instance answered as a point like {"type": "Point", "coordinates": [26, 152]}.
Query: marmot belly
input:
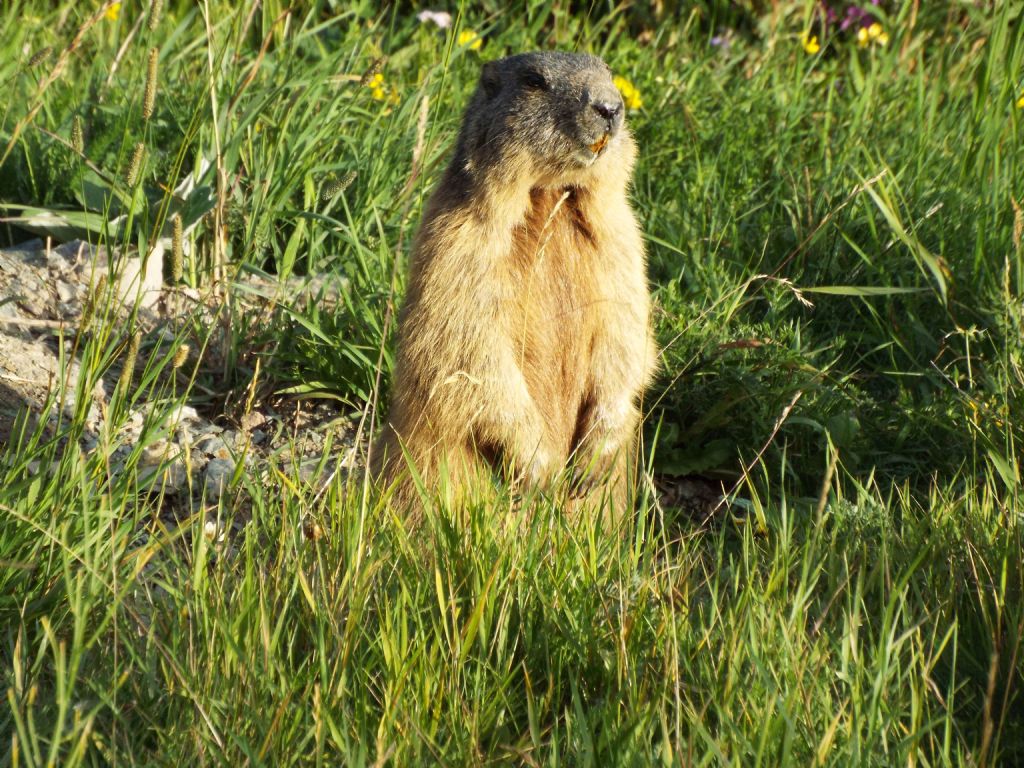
{"type": "Point", "coordinates": [553, 258]}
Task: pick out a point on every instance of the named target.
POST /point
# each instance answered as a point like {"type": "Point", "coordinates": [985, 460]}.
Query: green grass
{"type": "Point", "coordinates": [860, 602]}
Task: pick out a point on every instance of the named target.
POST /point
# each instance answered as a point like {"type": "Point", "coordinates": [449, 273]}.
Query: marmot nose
{"type": "Point", "coordinates": [607, 109]}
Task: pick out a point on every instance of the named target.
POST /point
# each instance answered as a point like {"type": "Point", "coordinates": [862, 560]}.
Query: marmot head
{"type": "Point", "coordinates": [550, 114]}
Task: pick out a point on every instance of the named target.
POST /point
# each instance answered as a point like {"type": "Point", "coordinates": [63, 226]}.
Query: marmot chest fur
{"type": "Point", "coordinates": [524, 341]}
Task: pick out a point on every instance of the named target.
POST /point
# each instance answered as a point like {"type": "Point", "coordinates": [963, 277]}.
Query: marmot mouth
{"type": "Point", "coordinates": [600, 144]}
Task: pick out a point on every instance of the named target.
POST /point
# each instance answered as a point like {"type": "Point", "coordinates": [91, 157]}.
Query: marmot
{"type": "Point", "coordinates": [524, 341]}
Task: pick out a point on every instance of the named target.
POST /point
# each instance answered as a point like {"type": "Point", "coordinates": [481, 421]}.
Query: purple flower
{"type": "Point", "coordinates": [855, 16]}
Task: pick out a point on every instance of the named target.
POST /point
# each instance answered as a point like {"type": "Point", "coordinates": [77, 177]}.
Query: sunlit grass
{"type": "Point", "coordinates": [835, 252]}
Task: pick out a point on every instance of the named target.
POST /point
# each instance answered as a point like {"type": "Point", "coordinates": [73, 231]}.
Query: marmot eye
{"type": "Point", "coordinates": [535, 80]}
{"type": "Point", "coordinates": [491, 87]}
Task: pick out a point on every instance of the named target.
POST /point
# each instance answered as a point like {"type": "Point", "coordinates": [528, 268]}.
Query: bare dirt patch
{"type": "Point", "coordinates": [49, 296]}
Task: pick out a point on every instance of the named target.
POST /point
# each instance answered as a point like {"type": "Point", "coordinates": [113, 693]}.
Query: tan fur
{"type": "Point", "coordinates": [524, 340]}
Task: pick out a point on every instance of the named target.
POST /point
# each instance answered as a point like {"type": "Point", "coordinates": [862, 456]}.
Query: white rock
{"type": "Point", "coordinates": [183, 413]}
{"type": "Point", "coordinates": [155, 453]}
{"type": "Point", "coordinates": [142, 278]}
{"type": "Point", "coordinates": [66, 291]}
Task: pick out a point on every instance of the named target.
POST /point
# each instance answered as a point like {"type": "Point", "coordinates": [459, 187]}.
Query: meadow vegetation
{"type": "Point", "coordinates": [834, 221]}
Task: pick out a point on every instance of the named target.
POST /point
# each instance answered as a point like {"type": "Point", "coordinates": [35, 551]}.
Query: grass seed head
{"type": "Point", "coordinates": [101, 288]}
{"type": "Point", "coordinates": [134, 171]}
{"type": "Point", "coordinates": [372, 72]}
{"type": "Point", "coordinates": [177, 249]}
{"type": "Point", "coordinates": [77, 135]}
{"type": "Point", "coordinates": [129, 361]}
{"type": "Point", "coordinates": [335, 187]}
{"type": "Point", "coordinates": [156, 8]}
{"type": "Point", "coordinates": [149, 98]}
{"type": "Point", "coordinates": [180, 356]}
{"type": "Point", "coordinates": [40, 56]}
{"type": "Point", "coordinates": [93, 301]}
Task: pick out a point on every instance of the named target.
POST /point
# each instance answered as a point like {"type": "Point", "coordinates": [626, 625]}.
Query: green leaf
{"type": "Point", "coordinates": [862, 290]}
{"type": "Point", "coordinates": [921, 254]}
{"type": "Point", "coordinates": [63, 226]}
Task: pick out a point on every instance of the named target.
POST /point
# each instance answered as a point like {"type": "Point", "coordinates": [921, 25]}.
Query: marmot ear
{"type": "Point", "coordinates": [490, 79]}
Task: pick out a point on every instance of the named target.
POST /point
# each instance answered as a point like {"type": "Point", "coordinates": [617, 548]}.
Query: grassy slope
{"type": "Point", "coordinates": [863, 605]}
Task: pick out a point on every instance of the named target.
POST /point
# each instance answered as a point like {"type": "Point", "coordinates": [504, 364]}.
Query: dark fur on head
{"type": "Point", "coordinates": [554, 109]}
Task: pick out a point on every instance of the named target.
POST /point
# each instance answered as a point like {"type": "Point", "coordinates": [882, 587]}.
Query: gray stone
{"type": "Point", "coordinates": [218, 476]}
{"type": "Point", "coordinates": [9, 309]}
{"type": "Point", "coordinates": [69, 254]}
{"type": "Point", "coordinates": [217, 446]}
{"type": "Point", "coordinates": [309, 472]}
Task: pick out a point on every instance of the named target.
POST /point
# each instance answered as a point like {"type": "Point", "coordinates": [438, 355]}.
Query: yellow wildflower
{"type": "Point", "coordinates": [877, 34]}
{"type": "Point", "coordinates": [380, 91]}
{"type": "Point", "coordinates": [470, 39]}
{"type": "Point", "coordinates": [810, 43]}
{"type": "Point", "coordinates": [873, 33]}
{"type": "Point", "coordinates": [1020, 102]}
{"type": "Point", "coordinates": [113, 12]}
{"type": "Point", "coordinates": [376, 86]}
{"type": "Point", "coordinates": [630, 94]}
